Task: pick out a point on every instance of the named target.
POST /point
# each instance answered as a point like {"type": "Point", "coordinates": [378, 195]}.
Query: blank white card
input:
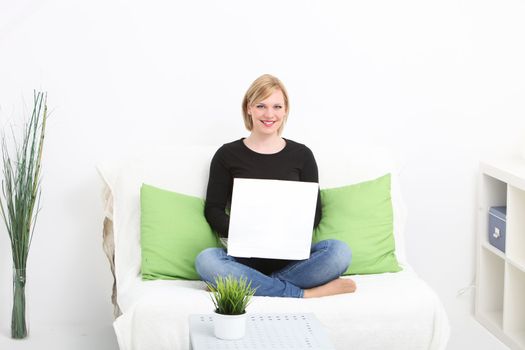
{"type": "Point", "coordinates": [272, 219]}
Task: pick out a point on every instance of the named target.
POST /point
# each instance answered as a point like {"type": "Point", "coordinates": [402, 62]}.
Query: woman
{"type": "Point", "coordinates": [264, 154]}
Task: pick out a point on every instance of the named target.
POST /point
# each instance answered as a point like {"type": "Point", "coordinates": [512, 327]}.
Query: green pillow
{"type": "Point", "coordinates": [173, 231]}
{"type": "Point", "coordinates": [361, 216]}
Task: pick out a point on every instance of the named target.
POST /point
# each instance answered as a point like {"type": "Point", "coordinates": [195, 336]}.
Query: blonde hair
{"type": "Point", "coordinates": [260, 89]}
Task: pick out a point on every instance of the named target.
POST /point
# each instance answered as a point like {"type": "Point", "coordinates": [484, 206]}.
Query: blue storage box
{"type": "Point", "coordinates": [497, 227]}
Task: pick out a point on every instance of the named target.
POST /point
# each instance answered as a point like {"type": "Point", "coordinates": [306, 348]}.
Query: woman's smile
{"type": "Point", "coordinates": [268, 123]}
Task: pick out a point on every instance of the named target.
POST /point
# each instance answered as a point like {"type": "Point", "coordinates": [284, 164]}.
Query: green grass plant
{"type": "Point", "coordinates": [20, 194]}
{"type": "Point", "coordinates": [230, 295]}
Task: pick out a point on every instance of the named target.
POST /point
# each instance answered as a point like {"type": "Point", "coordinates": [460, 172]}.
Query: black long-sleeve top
{"type": "Point", "coordinates": [295, 162]}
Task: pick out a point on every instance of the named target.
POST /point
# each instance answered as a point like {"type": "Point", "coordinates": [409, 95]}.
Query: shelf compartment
{"type": "Point", "coordinates": [493, 193]}
{"type": "Point", "coordinates": [492, 249]}
{"type": "Point", "coordinates": [515, 240]}
{"type": "Point", "coordinates": [514, 315]}
{"type": "Point", "coordinates": [491, 276]}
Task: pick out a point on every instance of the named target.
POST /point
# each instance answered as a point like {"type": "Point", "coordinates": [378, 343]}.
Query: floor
{"type": "Point", "coordinates": [62, 338]}
{"type": "Point", "coordinates": [467, 333]}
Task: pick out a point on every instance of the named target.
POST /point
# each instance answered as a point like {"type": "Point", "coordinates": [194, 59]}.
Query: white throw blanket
{"type": "Point", "coordinates": [388, 311]}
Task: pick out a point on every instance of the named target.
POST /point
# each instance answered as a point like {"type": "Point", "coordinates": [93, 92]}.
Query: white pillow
{"type": "Point", "coordinates": [341, 166]}
{"type": "Point", "coordinates": [184, 170]}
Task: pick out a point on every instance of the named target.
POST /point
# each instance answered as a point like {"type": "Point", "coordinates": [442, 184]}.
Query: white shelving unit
{"type": "Point", "coordinates": [500, 280]}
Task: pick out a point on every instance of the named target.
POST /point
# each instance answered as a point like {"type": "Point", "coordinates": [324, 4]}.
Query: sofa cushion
{"type": "Point", "coordinates": [173, 231]}
{"type": "Point", "coordinates": [361, 216]}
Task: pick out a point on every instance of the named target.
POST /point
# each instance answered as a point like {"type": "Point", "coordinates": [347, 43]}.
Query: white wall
{"type": "Point", "coordinates": [441, 83]}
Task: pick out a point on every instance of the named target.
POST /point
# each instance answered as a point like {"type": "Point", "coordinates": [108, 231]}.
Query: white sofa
{"type": "Point", "coordinates": [388, 311]}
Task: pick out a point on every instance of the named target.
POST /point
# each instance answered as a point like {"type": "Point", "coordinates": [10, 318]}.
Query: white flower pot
{"type": "Point", "coordinates": [229, 327]}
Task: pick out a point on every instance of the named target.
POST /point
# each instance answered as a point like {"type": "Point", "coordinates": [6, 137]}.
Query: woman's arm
{"type": "Point", "coordinates": [217, 195]}
{"type": "Point", "coordinates": [309, 173]}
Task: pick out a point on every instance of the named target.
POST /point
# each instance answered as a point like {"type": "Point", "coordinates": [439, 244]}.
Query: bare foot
{"type": "Point", "coordinates": [337, 286]}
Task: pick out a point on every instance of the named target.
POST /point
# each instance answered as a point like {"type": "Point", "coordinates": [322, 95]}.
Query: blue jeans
{"type": "Point", "coordinates": [328, 260]}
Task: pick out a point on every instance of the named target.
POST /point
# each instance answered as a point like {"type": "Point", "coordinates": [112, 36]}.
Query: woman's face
{"type": "Point", "coordinates": [268, 115]}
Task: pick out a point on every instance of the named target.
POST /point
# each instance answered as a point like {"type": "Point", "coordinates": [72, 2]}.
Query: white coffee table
{"type": "Point", "coordinates": [264, 331]}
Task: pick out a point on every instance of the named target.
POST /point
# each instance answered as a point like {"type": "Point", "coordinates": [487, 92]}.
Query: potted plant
{"type": "Point", "coordinates": [19, 201]}
{"type": "Point", "coordinates": [230, 297]}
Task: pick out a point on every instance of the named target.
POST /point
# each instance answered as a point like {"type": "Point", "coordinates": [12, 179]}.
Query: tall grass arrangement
{"type": "Point", "coordinates": [231, 296]}
{"type": "Point", "coordinates": [20, 193]}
